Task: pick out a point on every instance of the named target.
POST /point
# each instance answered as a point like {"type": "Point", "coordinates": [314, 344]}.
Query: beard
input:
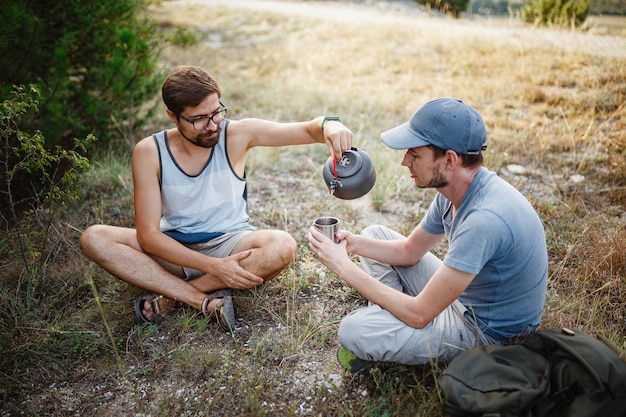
{"type": "Point", "coordinates": [206, 139]}
{"type": "Point", "coordinates": [437, 180]}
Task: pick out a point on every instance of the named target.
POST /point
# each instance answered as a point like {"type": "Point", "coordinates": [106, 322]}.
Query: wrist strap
{"type": "Point", "coordinates": [327, 118]}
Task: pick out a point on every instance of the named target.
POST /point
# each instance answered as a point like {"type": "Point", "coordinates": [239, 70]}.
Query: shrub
{"type": "Point", "coordinates": [33, 178]}
{"type": "Point", "coordinates": [452, 7]}
{"type": "Point", "coordinates": [36, 185]}
{"type": "Point", "coordinates": [559, 13]}
{"type": "Point", "coordinates": [94, 62]}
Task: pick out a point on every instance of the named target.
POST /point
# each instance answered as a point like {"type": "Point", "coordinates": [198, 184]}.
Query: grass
{"type": "Point", "coordinates": [553, 102]}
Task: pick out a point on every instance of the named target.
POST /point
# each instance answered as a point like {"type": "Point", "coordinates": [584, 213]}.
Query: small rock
{"type": "Point", "coordinates": [516, 169]}
{"type": "Point", "coordinates": [576, 178]}
{"type": "Point", "coordinates": [333, 380]}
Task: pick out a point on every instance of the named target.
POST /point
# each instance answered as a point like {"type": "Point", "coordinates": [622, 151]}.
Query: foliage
{"type": "Point", "coordinates": [37, 187]}
{"type": "Point", "coordinates": [30, 174]}
{"type": "Point", "coordinates": [93, 67]}
{"type": "Point", "coordinates": [512, 7]}
{"type": "Point", "coordinates": [558, 13]}
{"type": "Point", "coordinates": [452, 7]}
{"type": "Point", "coordinates": [94, 62]}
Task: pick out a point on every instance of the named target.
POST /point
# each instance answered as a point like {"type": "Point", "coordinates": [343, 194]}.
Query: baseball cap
{"type": "Point", "coordinates": [448, 123]}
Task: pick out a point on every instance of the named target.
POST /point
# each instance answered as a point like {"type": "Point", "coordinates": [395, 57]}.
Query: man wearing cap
{"type": "Point", "coordinates": [490, 286]}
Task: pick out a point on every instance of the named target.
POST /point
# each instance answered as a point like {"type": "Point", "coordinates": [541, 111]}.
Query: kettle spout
{"type": "Point", "coordinates": [334, 184]}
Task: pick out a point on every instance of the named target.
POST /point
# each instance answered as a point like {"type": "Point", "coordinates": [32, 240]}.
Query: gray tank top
{"type": "Point", "coordinates": [201, 207]}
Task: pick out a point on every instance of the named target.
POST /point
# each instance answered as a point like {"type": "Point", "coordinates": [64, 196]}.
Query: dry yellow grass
{"type": "Point", "coordinates": [552, 100]}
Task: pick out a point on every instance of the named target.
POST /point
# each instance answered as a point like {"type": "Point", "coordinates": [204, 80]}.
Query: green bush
{"type": "Point", "coordinates": [36, 185]}
{"type": "Point", "coordinates": [556, 13]}
{"type": "Point", "coordinates": [93, 68]}
{"type": "Point", "coordinates": [33, 178]}
{"type": "Point", "coordinates": [452, 7]}
{"type": "Point", "coordinates": [94, 62]}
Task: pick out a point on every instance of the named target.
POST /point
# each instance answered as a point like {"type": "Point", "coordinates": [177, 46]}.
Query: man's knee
{"type": "Point", "coordinates": [287, 248]}
{"type": "Point", "coordinates": [371, 231]}
{"type": "Point", "coordinates": [379, 232]}
{"type": "Point", "coordinates": [90, 238]}
{"type": "Point", "coordinates": [278, 247]}
{"type": "Point", "coordinates": [96, 239]}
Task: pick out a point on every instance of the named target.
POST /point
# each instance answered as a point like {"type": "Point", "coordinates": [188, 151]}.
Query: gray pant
{"type": "Point", "coordinates": [374, 334]}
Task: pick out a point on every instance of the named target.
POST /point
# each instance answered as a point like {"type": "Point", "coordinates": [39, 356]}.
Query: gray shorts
{"type": "Point", "coordinates": [220, 247]}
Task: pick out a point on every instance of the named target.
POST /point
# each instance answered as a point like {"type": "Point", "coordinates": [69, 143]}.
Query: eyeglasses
{"type": "Point", "coordinates": [202, 123]}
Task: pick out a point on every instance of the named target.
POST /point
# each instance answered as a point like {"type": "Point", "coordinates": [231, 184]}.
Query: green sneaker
{"type": "Point", "coordinates": [353, 364]}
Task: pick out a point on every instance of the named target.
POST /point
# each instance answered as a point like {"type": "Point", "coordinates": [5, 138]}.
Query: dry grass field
{"type": "Point", "coordinates": [607, 25]}
{"type": "Point", "coordinates": [554, 105]}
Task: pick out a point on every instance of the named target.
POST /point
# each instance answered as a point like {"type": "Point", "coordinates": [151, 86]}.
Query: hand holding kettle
{"type": "Point", "coordinates": [349, 173]}
{"type": "Point", "coordinates": [338, 137]}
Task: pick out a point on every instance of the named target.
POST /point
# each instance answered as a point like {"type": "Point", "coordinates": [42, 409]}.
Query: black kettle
{"type": "Point", "coordinates": [350, 177]}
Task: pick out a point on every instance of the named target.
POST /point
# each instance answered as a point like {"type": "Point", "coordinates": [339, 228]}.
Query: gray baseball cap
{"type": "Point", "coordinates": [447, 123]}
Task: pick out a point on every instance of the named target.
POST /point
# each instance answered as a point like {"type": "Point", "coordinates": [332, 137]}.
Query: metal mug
{"type": "Point", "coordinates": [329, 226]}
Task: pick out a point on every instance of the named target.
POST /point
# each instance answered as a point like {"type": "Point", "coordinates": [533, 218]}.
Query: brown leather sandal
{"type": "Point", "coordinates": [219, 305]}
{"type": "Point", "coordinates": [157, 311]}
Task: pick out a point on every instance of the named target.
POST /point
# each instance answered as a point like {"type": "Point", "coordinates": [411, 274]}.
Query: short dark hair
{"type": "Point", "coordinates": [467, 161]}
{"type": "Point", "coordinates": [187, 86]}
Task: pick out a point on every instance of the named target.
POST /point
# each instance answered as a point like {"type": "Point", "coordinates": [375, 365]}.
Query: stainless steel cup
{"type": "Point", "coordinates": [329, 226]}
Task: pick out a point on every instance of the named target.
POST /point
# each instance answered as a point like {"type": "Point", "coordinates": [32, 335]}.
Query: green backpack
{"type": "Point", "coordinates": [557, 372]}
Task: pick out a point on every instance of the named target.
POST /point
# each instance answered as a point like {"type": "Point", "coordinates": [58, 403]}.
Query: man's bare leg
{"type": "Point", "coordinates": [116, 249]}
{"type": "Point", "coordinates": [271, 252]}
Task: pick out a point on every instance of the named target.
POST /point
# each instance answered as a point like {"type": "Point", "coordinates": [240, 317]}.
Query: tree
{"type": "Point", "coordinates": [91, 65]}
{"type": "Point", "coordinates": [94, 63]}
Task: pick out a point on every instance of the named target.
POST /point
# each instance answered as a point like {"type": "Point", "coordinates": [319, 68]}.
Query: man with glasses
{"type": "Point", "coordinates": [193, 241]}
{"type": "Point", "coordinates": [489, 288]}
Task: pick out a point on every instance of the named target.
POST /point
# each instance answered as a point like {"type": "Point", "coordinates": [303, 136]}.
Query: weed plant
{"type": "Point", "coordinates": [553, 102]}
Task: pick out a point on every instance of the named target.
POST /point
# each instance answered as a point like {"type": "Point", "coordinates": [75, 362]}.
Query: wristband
{"type": "Point", "coordinates": [327, 118]}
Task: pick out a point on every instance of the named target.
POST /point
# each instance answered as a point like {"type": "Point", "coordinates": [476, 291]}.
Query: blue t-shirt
{"type": "Point", "coordinates": [497, 235]}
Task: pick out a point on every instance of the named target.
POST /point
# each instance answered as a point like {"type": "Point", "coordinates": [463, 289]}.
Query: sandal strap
{"type": "Point", "coordinates": [156, 308]}
{"type": "Point", "coordinates": [219, 305]}
{"type": "Point", "coordinates": [212, 311]}
{"type": "Point", "coordinates": [213, 307]}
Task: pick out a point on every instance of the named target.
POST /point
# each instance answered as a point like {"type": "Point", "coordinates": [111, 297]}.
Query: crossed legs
{"type": "Point", "coordinates": [117, 250]}
{"type": "Point", "coordinates": [374, 334]}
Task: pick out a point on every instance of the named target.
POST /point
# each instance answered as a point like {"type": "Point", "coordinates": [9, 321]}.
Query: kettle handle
{"type": "Point", "coordinates": [335, 162]}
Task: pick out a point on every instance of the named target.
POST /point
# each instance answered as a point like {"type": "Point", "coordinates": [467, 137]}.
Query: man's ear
{"type": "Point", "coordinates": [171, 115]}
{"type": "Point", "coordinates": [452, 159]}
